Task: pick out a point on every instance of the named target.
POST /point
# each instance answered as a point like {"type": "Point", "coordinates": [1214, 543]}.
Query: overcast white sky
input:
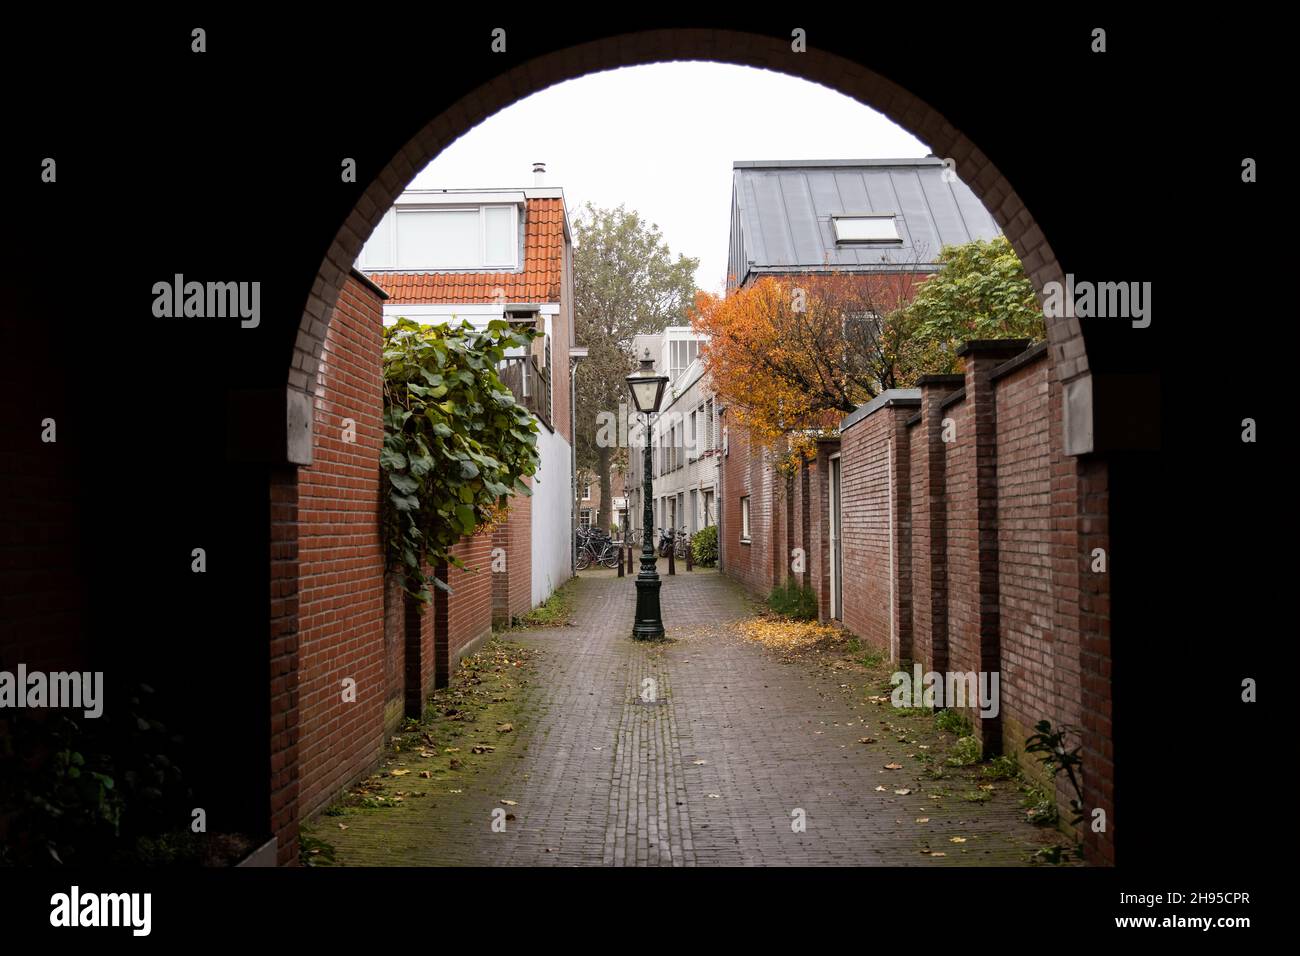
{"type": "Point", "coordinates": [661, 139]}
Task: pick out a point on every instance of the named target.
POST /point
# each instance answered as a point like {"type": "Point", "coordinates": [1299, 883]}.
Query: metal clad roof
{"type": "Point", "coordinates": [785, 209]}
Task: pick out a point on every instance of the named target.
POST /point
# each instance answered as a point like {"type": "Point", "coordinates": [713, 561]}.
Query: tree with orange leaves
{"type": "Point", "coordinates": [795, 354]}
{"type": "Point", "coordinates": [798, 353]}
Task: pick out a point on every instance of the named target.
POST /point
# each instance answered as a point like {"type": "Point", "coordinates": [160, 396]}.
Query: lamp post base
{"type": "Point", "coordinates": [649, 624]}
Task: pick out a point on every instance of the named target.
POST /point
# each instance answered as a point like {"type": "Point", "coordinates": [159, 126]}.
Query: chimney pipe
{"type": "Point", "coordinates": [539, 174]}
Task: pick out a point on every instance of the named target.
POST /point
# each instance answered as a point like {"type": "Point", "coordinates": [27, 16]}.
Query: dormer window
{"type": "Point", "coordinates": [445, 238]}
{"type": "Point", "coordinates": [865, 229]}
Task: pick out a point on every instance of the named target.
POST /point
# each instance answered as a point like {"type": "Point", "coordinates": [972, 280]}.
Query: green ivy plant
{"type": "Point", "coordinates": [456, 442]}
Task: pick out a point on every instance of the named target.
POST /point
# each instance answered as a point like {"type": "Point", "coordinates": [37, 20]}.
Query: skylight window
{"type": "Point", "coordinates": [853, 229]}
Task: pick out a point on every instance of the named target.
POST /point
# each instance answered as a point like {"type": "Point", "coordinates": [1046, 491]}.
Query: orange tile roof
{"type": "Point", "coordinates": [539, 281]}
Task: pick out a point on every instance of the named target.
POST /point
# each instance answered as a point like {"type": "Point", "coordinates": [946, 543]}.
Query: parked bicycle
{"type": "Point", "coordinates": [682, 544]}
{"type": "Point", "coordinates": [595, 546]}
{"type": "Point", "coordinates": [676, 540]}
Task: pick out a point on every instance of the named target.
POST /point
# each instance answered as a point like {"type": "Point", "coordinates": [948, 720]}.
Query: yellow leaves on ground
{"type": "Point", "coordinates": [783, 635]}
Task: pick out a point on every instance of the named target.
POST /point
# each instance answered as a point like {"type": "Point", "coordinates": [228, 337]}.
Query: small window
{"type": "Point", "coordinates": [851, 229]}
{"type": "Point", "coordinates": [744, 518]}
{"type": "Point", "coordinates": [586, 492]}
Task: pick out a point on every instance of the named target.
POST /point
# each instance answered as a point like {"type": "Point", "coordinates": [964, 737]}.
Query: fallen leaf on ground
{"type": "Point", "coordinates": [881, 789]}
{"type": "Point", "coordinates": [922, 819]}
{"type": "Point", "coordinates": [398, 773]}
{"type": "Point", "coordinates": [957, 840]}
{"type": "Point", "coordinates": [893, 766]}
{"type": "Point", "coordinates": [511, 803]}
{"type": "Point", "coordinates": [904, 792]}
{"type": "Point", "coordinates": [505, 728]}
{"type": "Point", "coordinates": [866, 740]}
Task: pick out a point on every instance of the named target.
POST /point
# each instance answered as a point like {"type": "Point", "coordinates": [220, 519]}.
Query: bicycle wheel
{"type": "Point", "coordinates": [583, 560]}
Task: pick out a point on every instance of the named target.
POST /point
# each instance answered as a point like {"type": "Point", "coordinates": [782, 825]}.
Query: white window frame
{"type": "Point", "coordinates": [866, 241]}
{"type": "Point", "coordinates": [744, 520]}
{"type": "Point", "coordinates": [389, 223]}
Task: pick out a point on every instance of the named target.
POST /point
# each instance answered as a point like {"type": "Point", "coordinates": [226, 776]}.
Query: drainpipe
{"type": "Point", "coordinates": [576, 355]}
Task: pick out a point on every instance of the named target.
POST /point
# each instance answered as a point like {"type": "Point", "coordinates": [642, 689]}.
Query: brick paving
{"type": "Point", "coordinates": [708, 774]}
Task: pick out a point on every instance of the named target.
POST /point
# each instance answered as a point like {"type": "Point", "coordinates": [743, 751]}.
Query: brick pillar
{"type": "Point", "coordinates": [934, 389]}
{"type": "Point", "coordinates": [791, 541]}
{"type": "Point", "coordinates": [408, 613]}
{"type": "Point", "coordinates": [1095, 657]}
{"type": "Point", "coordinates": [501, 577]}
{"type": "Point", "coordinates": [284, 664]}
{"type": "Point", "coordinates": [900, 452]}
{"type": "Point", "coordinates": [441, 614]}
{"type": "Point", "coordinates": [982, 356]}
{"type": "Point", "coordinates": [805, 516]}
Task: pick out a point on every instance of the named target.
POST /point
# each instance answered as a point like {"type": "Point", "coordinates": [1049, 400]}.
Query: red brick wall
{"type": "Point", "coordinates": [875, 494]}
{"type": "Point", "coordinates": [864, 529]}
{"type": "Point", "coordinates": [994, 572]}
{"type": "Point", "coordinates": [464, 616]}
{"type": "Point", "coordinates": [1030, 583]}
{"type": "Point", "coordinates": [745, 472]}
{"type": "Point", "coordinates": [512, 587]}
{"type": "Point", "coordinates": [285, 709]}
{"type": "Point", "coordinates": [962, 545]}
{"type": "Point", "coordinates": [817, 533]}
{"type": "Point", "coordinates": [341, 563]}
{"type": "Point", "coordinates": [918, 488]}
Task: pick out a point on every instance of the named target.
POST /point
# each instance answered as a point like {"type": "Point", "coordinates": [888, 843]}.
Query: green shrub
{"type": "Point", "coordinates": [704, 546]}
{"type": "Point", "coordinates": [967, 751]}
{"type": "Point", "coordinates": [794, 601]}
{"type": "Point", "coordinates": [1040, 807]}
{"type": "Point", "coordinates": [1004, 767]}
{"type": "Point", "coordinates": [102, 790]}
{"type": "Point", "coordinates": [953, 722]}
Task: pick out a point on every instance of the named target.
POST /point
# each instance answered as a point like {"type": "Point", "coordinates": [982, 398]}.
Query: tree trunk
{"type": "Point", "coordinates": [603, 457]}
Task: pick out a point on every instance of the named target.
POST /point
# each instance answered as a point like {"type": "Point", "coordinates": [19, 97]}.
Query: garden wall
{"type": "Point", "coordinates": [968, 538]}
{"type": "Point", "coordinates": [356, 621]}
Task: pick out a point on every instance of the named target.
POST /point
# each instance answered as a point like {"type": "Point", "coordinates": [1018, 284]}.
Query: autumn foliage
{"type": "Point", "coordinates": [799, 353]}
{"type": "Point", "coordinates": [791, 356]}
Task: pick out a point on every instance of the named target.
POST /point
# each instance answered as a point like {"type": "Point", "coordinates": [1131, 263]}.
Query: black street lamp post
{"type": "Point", "coordinates": [647, 392]}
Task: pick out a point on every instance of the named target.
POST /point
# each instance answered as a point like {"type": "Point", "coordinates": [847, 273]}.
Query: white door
{"type": "Point", "coordinates": [837, 564]}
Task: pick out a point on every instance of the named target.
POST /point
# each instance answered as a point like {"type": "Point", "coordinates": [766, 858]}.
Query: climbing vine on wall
{"type": "Point", "coordinates": [456, 442]}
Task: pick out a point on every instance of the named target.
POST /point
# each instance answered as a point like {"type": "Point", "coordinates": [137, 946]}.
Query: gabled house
{"type": "Point", "coordinates": [872, 217]}
{"type": "Point", "coordinates": [446, 255]}
{"type": "Point", "coordinates": [847, 216]}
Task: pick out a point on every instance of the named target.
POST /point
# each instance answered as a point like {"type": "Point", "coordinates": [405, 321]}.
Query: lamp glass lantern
{"type": "Point", "coordinates": [647, 388]}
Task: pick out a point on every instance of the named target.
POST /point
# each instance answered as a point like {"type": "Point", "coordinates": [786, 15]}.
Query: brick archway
{"type": "Point", "coordinates": [1065, 338]}
{"type": "Point", "coordinates": [1087, 480]}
